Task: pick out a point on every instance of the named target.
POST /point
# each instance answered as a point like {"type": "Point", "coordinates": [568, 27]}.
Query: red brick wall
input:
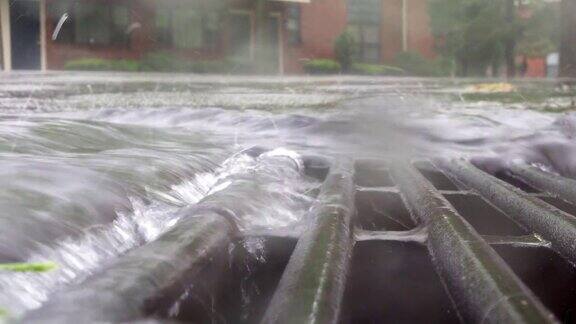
{"type": "Point", "coordinates": [420, 37]}
{"type": "Point", "coordinates": [391, 32]}
{"type": "Point", "coordinates": [536, 67]}
{"type": "Point", "coordinates": [57, 54]}
{"type": "Point", "coordinates": [142, 40]}
{"type": "Point", "coordinates": [322, 21]}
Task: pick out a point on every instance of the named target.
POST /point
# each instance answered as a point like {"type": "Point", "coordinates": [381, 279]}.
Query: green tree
{"type": "Point", "coordinates": [474, 33]}
{"type": "Point", "coordinates": [541, 32]}
{"type": "Point", "coordinates": [480, 33]}
{"type": "Point", "coordinates": [344, 50]}
{"type": "Point", "coordinates": [261, 9]}
{"type": "Point", "coordinates": [568, 40]}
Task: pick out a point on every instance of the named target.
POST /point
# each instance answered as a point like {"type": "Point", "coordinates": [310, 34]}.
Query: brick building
{"type": "Point", "coordinates": [45, 34]}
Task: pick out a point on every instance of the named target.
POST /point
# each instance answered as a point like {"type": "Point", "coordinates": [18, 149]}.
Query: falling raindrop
{"type": "Point", "coordinates": [59, 26]}
{"type": "Point", "coordinates": [133, 27]}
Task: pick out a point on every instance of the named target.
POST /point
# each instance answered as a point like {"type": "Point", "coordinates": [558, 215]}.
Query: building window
{"type": "Point", "coordinates": [240, 46]}
{"type": "Point", "coordinates": [293, 24]}
{"type": "Point", "coordinates": [164, 27]}
{"type": "Point", "coordinates": [92, 23]}
{"type": "Point", "coordinates": [185, 28]}
{"type": "Point", "coordinates": [364, 22]}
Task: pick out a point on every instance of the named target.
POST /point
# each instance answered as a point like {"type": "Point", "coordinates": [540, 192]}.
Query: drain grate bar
{"type": "Point", "coordinates": [312, 286]}
{"type": "Point", "coordinates": [194, 254]}
{"type": "Point", "coordinates": [483, 288]}
{"type": "Point", "coordinates": [550, 223]}
{"type": "Point", "coordinates": [551, 183]}
{"type": "Point", "coordinates": [124, 290]}
{"type": "Point", "coordinates": [517, 241]}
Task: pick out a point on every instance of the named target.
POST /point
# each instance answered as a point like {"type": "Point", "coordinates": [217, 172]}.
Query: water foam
{"type": "Point", "coordinates": [78, 257]}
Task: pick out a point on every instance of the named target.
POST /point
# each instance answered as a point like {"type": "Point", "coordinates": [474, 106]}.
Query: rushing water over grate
{"type": "Point", "coordinates": [283, 201]}
{"type": "Point", "coordinates": [95, 166]}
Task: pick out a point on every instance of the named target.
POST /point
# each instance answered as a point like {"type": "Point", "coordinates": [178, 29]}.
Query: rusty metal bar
{"type": "Point", "coordinates": [484, 289]}
{"type": "Point", "coordinates": [549, 182]}
{"type": "Point", "coordinates": [312, 286]}
{"type": "Point", "coordinates": [124, 289]}
{"type": "Point", "coordinates": [552, 224]}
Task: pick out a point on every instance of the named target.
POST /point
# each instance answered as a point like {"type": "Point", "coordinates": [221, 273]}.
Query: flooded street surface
{"type": "Point", "coordinates": [95, 165]}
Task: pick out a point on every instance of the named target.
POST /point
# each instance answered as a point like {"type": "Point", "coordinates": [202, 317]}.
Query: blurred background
{"type": "Point", "coordinates": [469, 38]}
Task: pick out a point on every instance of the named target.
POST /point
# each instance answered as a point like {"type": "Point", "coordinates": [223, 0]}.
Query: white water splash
{"type": "Point", "coordinates": [78, 257]}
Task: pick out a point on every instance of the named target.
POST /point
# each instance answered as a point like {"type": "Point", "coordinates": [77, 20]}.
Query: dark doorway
{"type": "Point", "coordinates": [25, 34]}
{"type": "Point", "coordinates": [271, 50]}
{"type": "Point", "coordinates": [241, 36]}
{"type": "Point", "coordinates": [241, 46]}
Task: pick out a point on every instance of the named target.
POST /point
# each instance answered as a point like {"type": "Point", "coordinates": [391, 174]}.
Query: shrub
{"type": "Point", "coordinates": [96, 64]}
{"type": "Point", "coordinates": [415, 64]}
{"type": "Point", "coordinates": [162, 62]}
{"type": "Point", "coordinates": [219, 66]}
{"type": "Point", "coordinates": [124, 65]}
{"type": "Point", "coordinates": [375, 69]}
{"type": "Point", "coordinates": [88, 64]}
{"type": "Point", "coordinates": [322, 66]}
{"type": "Point", "coordinates": [345, 50]}
{"type": "Point", "coordinates": [237, 66]}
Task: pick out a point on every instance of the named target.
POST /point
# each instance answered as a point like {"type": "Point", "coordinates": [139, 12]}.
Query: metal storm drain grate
{"type": "Point", "coordinates": [387, 243]}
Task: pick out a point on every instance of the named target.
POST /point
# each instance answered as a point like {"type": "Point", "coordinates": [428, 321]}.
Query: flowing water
{"type": "Point", "coordinates": [94, 165]}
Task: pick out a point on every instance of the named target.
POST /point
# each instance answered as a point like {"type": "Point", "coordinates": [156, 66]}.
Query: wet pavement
{"type": "Point", "coordinates": [96, 164]}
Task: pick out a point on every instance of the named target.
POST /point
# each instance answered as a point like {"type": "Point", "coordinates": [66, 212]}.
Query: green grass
{"type": "Point", "coordinates": [96, 64]}
{"type": "Point", "coordinates": [28, 267]}
{"type": "Point", "coordinates": [558, 110]}
{"type": "Point", "coordinates": [376, 69]}
{"type": "Point", "coordinates": [3, 315]}
{"type": "Point", "coordinates": [521, 95]}
{"type": "Point", "coordinates": [322, 66]}
{"type": "Point", "coordinates": [538, 96]}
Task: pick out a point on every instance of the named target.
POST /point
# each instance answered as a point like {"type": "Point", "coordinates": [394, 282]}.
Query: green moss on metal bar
{"type": "Point", "coordinates": [28, 267]}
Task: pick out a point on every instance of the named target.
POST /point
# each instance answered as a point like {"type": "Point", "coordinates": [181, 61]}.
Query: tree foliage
{"type": "Point", "coordinates": [568, 43]}
{"type": "Point", "coordinates": [474, 33]}
{"type": "Point", "coordinates": [541, 31]}
{"type": "Point", "coordinates": [345, 48]}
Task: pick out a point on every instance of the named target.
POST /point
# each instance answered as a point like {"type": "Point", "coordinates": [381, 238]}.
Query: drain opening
{"type": "Point", "coordinates": [382, 211]}
{"type": "Point", "coordinates": [372, 173]}
{"type": "Point", "coordinates": [438, 179]}
{"type": "Point", "coordinates": [548, 275]}
{"type": "Point", "coordinates": [259, 280]}
{"type": "Point", "coordinates": [485, 218]}
{"type": "Point", "coordinates": [395, 282]}
{"type": "Point", "coordinates": [316, 167]}
{"type": "Point", "coordinates": [560, 204]}
{"type": "Point", "coordinates": [242, 294]}
{"type": "Point", "coordinates": [516, 182]}
{"type": "Point", "coordinates": [205, 300]}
